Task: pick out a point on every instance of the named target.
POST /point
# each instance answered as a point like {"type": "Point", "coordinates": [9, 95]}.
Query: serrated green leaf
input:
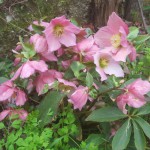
{"type": "Point", "coordinates": [133, 32]}
{"type": "Point", "coordinates": [139, 138]}
{"type": "Point", "coordinates": [16, 124]}
{"type": "Point", "coordinates": [106, 114]}
{"type": "Point", "coordinates": [76, 67]}
{"type": "Point", "coordinates": [141, 38]}
{"type": "Point", "coordinates": [38, 28]}
{"type": "Point", "coordinates": [89, 80]}
{"type": "Point", "coordinates": [144, 125]}
{"type": "Point", "coordinates": [2, 126]}
{"type": "Point", "coordinates": [122, 137]}
{"type": "Point", "coordinates": [143, 110]}
{"type": "Point", "coordinates": [50, 101]}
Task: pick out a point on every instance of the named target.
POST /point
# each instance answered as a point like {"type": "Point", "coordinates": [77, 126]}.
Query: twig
{"type": "Point", "coordinates": [142, 16]}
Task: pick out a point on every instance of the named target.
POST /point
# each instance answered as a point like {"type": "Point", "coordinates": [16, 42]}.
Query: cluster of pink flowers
{"type": "Point", "coordinates": [62, 43]}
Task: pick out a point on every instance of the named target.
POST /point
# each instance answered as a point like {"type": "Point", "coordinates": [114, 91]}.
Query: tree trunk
{"type": "Point", "coordinates": [101, 9]}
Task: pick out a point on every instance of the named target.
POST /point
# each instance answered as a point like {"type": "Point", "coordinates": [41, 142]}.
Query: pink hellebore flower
{"type": "Point", "coordinates": [134, 95]}
{"type": "Point", "coordinates": [114, 35]}
{"type": "Point", "coordinates": [60, 31]}
{"type": "Point", "coordinates": [22, 114]}
{"type": "Point", "coordinates": [9, 92]}
{"type": "Point", "coordinates": [47, 77]}
{"type": "Point", "coordinates": [41, 47]}
{"type": "Point", "coordinates": [106, 65]}
{"type": "Point", "coordinates": [86, 48]}
{"type": "Point", "coordinates": [29, 68]}
{"type": "Point", "coordinates": [79, 97]}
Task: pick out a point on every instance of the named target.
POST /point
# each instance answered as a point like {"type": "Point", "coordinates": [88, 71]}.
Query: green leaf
{"type": "Point", "coordinates": [89, 80]}
{"type": "Point", "coordinates": [144, 125]}
{"type": "Point", "coordinates": [16, 124]}
{"type": "Point", "coordinates": [122, 137]}
{"type": "Point", "coordinates": [38, 28]}
{"type": "Point", "coordinates": [76, 67]}
{"type": "Point", "coordinates": [106, 114]}
{"type": "Point", "coordinates": [2, 126]}
{"type": "Point", "coordinates": [3, 79]}
{"type": "Point", "coordinates": [133, 32]}
{"type": "Point", "coordinates": [74, 21]}
{"type": "Point", "coordinates": [50, 102]}
{"type": "Point", "coordinates": [28, 49]}
{"type": "Point", "coordinates": [143, 110]}
{"type": "Point", "coordinates": [139, 138]}
{"type": "Point", "coordinates": [141, 38]}
{"type": "Point", "coordinates": [97, 139]}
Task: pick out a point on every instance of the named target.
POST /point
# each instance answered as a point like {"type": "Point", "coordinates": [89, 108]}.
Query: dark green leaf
{"type": "Point", "coordinates": [141, 38]}
{"type": "Point", "coordinates": [122, 137]}
{"type": "Point", "coordinates": [37, 28]}
{"type": "Point", "coordinates": [89, 80]}
{"type": "Point", "coordinates": [139, 138]}
{"type": "Point", "coordinates": [143, 110]}
{"type": "Point", "coordinates": [50, 102]}
{"type": "Point", "coordinates": [106, 114]}
{"type": "Point", "coordinates": [96, 139]}
{"type": "Point", "coordinates": [144, 125]}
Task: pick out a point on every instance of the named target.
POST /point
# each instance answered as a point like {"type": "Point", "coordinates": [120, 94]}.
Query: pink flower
{"type": "Point", "coordinates": [39, 42]}
{"type": "Point", "coordinates": [9, 92]}
{"type": "Point", "coordinates": [86, 48]}
{"type": "Point", "coordinates": [60, 31]}
{"type": "Point", "coordinates": [134, 95]}
{"type": "Point", "coordinates": [114, 35]}
{"type": "Point", "coordinates": [22, 114]}
{"type": "Point", "coordinates": [44, 78]}
{"type": "Point", "coordinates": [29, 68]}
{"type": "Point", "coordinates": [41, 47]}
{"type": "Point", "coordinates": [79, 97]}
{"type": "Point", "coordinates": [106, 65]}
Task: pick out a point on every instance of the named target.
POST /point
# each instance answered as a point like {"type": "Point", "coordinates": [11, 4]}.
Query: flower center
{"type": "Point", "coordinates": [116, 40]}
{"type": "Point", "coordinates": [103, 62]}
{"type": "Point", "coordinates": [58, 30]}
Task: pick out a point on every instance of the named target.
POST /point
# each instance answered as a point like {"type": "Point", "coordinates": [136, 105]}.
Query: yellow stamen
{"type": "Point", "coordinates": [103, 62]}
{"type": "Point", "coordinates": [58, 30]}
{"type": "Point", "coordinates": [116, 40]}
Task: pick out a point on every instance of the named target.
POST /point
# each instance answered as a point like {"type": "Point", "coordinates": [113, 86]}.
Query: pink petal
{"type": "Point", "coordinates": [39, 65]}
{"type": "Point", "coordinates": [21, 98]}
{"type": "Point", "coordinates": [68, 39]}
{"type": "Point", "coordinates": [114, 68]}
{"type": "Point", "coordinates": [102, 37]}
{"type": "Point", "coordinates": [115, 22]}
{"type": "Point", "coordinates": [3, 114]}
{"type": "Point", "coordinates": [18, 72]}
{"type": "Point", "coordinates": [27, 70]}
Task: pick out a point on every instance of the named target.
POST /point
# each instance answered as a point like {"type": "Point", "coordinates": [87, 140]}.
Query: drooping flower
{"type": "Point", "coordinates": [22, 114]}
{"type": "Point", "coordinates": [114, 35]}
{"type": "Point", "coordinates": [86, 48]}
{"type": "Point", "coordinates": [29, 68]}
{"type": "Point", "coordinates": [79, 97]}
{"type": "Point", "coordinates": [133, 95]}
{"type": "Point", "coordinates": [60, 31]}
{"type": "Point", "coordinates": [8, 92]}
{"type": "Point", "coordinates": [41, 47]}
{"type": "Point", "coordinates": [48, 77]}
{"type": "Point", "coordinates": [106, 65]}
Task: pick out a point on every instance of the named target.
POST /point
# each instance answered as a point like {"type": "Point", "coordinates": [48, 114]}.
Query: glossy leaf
{"type": "Point", "coordinates": [49, 104]}
{"type": "Point", "coordinates": [139, 138]}
{"type": "Point", "coordinates": [144, 125]}
{"type": "Point", "coordinates": [89, 80]}
{"type": "Point", "coordinates": [106, 114]}
{"type": "Point", "coordinates": [122, 137]}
